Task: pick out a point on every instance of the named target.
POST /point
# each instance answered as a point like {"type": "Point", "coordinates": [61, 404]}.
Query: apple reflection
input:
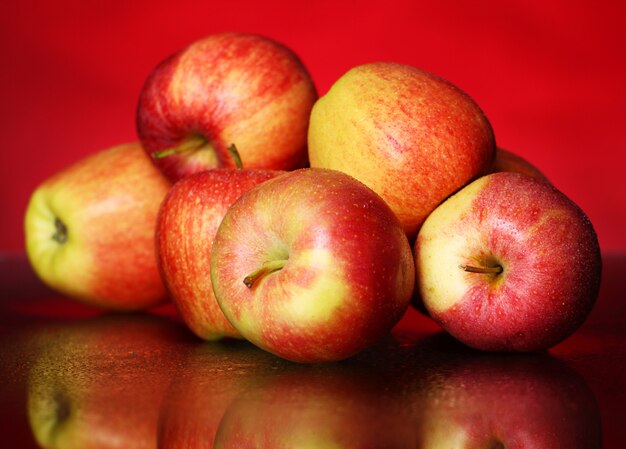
{"type": "Point", "coordinates": [210, 377]}
{"type": "Point", "coordinates": [339, 406]}
{"type": "Point", "coordinates": [436, 394]}
{"type": "Point", "coordinates": [142, 382]}
{"type": "Point", "coordinates": [471, 400]}
{"type": "Point", "coordinates": [98, 383]}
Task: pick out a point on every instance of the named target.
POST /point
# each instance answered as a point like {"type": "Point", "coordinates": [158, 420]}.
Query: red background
{"type": "Point", "coordinates": [550, 75]}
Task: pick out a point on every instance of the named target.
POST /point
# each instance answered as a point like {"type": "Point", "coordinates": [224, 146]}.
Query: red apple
{"type": "Point", "coordinates": [508, 263]}
{"type": "Point", "coordinates": [226, 89]}
{"type": "Point", "coordinates": [186, 226]}
{"type": "Point", "coordinates": [312, 266]}
{"type": "Point", "coordinates": [508, 161]}
{"type": "Point", "coordinates": [90, 230]}
{"type": "Point", "coordinates": [505, 161]}
{"type": "Point", "coordinates": [409, 135]}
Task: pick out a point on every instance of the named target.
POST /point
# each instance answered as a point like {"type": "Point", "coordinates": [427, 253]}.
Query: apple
{"type": "Point", "coordinates": [505, 161]}
{"type": "Point", "coordinates": [517, 401]}
{"type": "Point", "coordinates": [508, 263]}
{"type": "Point", "coordinates": [312, 266]}
{"type": "Point", "coordinates": [508, 161]}
{"type": "Point", "coordinates": [99, 382]}
{"type": "Point", "coordinates": [187, 222]}
{"type": "Point", "coordinates": [90, 229]}
{"type": "Point", "coordinates": [226, 89]}
{"type": "Point", "coordinates": [409, 135]}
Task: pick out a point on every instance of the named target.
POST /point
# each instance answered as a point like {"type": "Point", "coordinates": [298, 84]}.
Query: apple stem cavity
{"type": "Point", "coordinates": [484, 270]}
{"type": "Point", "coordinates": [265, 269]}
{"type": "Point", "coordinates": [60, 235]}
{"type": "Point", "coordinates": [232, 150]}
{"type": "Point", "coordinates": [191, 143]}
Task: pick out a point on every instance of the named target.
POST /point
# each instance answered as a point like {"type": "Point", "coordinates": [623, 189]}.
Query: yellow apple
{"type": "Point", "coordinates": [409, 135]}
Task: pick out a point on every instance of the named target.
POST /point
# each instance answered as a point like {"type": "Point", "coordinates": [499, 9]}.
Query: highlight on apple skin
{"type": "Point", "coordinates": [186, 225]}
{"type": "Point", "coordinates": [90, 230]}
{"type": "Point", "coordinates": [312, 266]}
{"type": "Point", "coordinates": [227, 89]}
{"type": "Point", "coordinates": [508, 263]}
{"type": "Point", "coordinates": [387, 121]}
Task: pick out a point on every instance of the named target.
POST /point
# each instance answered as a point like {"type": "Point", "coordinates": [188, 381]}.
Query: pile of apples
{"type": "Point", "coordinates": [309, 225]}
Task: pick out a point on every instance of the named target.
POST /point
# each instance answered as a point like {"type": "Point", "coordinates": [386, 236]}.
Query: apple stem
{"type": "Point", "coordinates": [232, 150]}
{"type": "Point", "coordinates": [485, 270]}
{"type": "Point", "coordinates": [61, 231]}
{"type": "Point", "coordinates": [265, 269]}
{"type": "Point", "coordinates": [189, 144]}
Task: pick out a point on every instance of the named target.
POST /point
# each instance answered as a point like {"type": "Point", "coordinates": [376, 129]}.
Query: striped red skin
{"type": "Point", "coordinates": [349, 273]}
{"type": "Point", "coordinates": [551, 267]}
{"type": "Point", "coordinates": [230, 88]}
{"type": "Point", "coordinates": [388, 121]}
{"type": "Point", "coordinates": [131, 281]}
{"type": "Point", "coordinates": [186, 226]}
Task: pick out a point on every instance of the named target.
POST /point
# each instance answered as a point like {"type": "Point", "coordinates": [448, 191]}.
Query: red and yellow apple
{"type": "Point", "coordinates": [227, 89]}
{"type": "Point", "coordinates": [312, 266]}
{"type": "Point", "coordinates": [90, 229]}
{"type": "Point", "coordinates": [186, 226]}
{"type": "Point", "coordinates": [409, 135]}
{"type": "Point", "coordinates": [508, 263]}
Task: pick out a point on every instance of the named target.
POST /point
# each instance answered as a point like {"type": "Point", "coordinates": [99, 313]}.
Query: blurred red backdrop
{"type": "Point", "coordinates": [551, 76]}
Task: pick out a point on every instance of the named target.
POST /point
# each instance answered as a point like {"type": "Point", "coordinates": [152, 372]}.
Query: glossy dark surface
{"type": "Point", "coordinates": [73, 377]}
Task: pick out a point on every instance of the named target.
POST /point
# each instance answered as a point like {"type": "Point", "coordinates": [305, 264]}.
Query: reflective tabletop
{"type": "Point", "coordinates": [75, 377]}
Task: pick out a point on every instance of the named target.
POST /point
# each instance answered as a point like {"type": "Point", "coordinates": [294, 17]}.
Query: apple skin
{"type": "Point", "coordinates": [348, 271]}
{"type": "Point", "coordinates": [543, 242]}
{"type": "Point", "coordinates": [383, 121]}
{"type": "Point", "coordinates": [186, 226]}
{"type": "Point", "coordinates": [507, 161]}
{"type": "Point", "coordinates": [108, 203]}
{"type": "Point", "coordinates": [228, 88]}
